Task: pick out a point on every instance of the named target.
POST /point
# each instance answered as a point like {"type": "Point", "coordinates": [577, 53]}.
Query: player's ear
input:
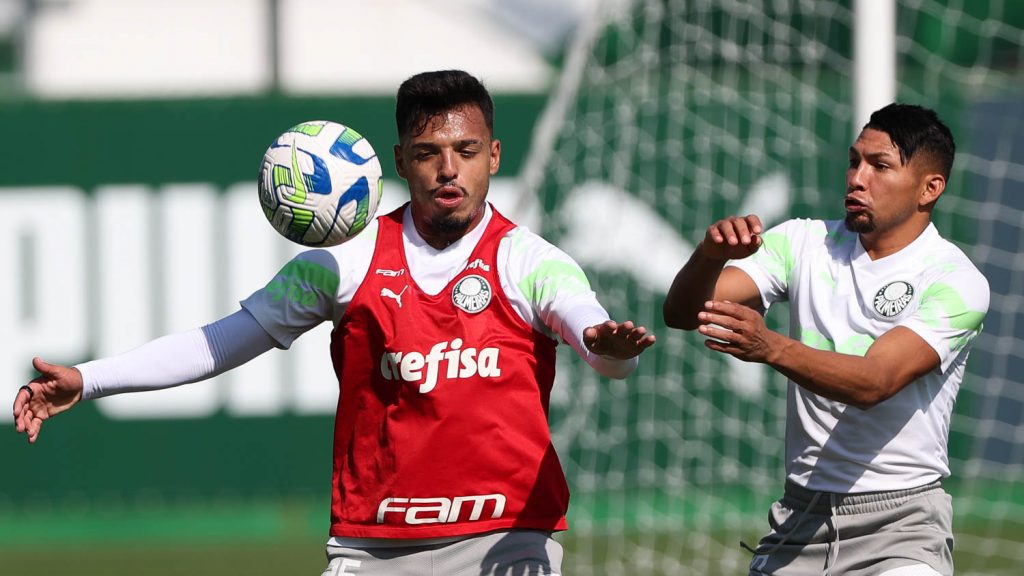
{"type": "Point", "coordinates": [399, 165]}
{"type": "Point", "coordinates": [495, 156]}
{"type": "Point", "coordinates": [934, 186]}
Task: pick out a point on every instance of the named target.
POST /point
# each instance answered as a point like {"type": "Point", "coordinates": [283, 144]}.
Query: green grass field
{"type": "Point", "coordinates": [255, 558]}
{"type": "Point", "coordinates": [305, 556]}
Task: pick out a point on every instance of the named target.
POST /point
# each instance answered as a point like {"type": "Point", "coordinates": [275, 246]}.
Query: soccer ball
{"type": "Point", "coordinates": [320, 183]}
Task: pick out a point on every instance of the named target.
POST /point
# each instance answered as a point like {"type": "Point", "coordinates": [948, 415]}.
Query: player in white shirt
{"type": "Point", "coordinates": [883, 312]}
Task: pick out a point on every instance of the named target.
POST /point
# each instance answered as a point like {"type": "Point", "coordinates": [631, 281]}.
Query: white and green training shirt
{"type": "Point", "coordinates": [545, 285]}
{"type": "Point", "coordinates": [841, 300]}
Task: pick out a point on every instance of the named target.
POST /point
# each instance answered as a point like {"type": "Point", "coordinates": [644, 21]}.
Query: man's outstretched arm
{"type": "Point", "coordinates": [896, 359]}
{"type": "Point", "coordinates": [168, 361]}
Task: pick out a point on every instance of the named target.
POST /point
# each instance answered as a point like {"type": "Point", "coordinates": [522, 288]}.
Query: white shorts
{"type": "Point", "coordinates": [897, 533]}
{"type": "Point", "coordinates": [519, 552]}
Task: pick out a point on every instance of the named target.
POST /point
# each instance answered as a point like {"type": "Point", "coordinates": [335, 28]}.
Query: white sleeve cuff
{"type": "Point", "coordinates": [579, 319]}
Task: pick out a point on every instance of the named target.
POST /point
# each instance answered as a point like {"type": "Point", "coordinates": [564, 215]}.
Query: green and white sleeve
{"type": "Point", "coordinates": [552, 293]}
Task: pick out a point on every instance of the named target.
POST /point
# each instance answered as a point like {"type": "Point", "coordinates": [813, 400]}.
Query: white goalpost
{"type": "Point", "coordinates": [874, 58]}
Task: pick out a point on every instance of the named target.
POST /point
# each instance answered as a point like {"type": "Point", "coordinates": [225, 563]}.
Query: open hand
{"type": "Point", "coordinates": [615, 340]}
{"type": "Point", "coordinates": [54, 391]}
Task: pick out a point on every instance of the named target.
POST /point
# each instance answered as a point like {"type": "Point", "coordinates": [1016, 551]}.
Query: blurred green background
{"type": "Point", "coordinates": [670, 469]}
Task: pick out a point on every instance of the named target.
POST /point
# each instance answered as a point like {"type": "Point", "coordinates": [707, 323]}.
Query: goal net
{"type": "Point", "coordinates": [673, 113]}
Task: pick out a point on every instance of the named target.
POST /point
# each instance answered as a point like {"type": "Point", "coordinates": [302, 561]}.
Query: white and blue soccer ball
{"type": "Point", "coordinates": [320, 183]}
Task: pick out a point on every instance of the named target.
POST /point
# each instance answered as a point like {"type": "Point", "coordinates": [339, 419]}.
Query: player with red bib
{"type": "Point", "coordinates": [446, 318]}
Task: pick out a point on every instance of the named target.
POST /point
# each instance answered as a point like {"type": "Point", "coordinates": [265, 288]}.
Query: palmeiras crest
{"type": "Point", "coordinates": [472, 294]}
{"type": "Point", "coordinates": [893, 298]}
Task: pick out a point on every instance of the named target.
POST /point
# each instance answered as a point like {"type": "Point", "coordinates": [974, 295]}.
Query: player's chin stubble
{"type": "Point", "coordinates": [861, 223]}
{"type": "Point", "coordinates": [450, 224]}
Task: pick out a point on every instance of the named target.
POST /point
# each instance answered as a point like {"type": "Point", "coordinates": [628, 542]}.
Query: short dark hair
{"type": "Point", "coordinates": [913, 129]}
{"type": "Point", "coordinates": [430, 94]}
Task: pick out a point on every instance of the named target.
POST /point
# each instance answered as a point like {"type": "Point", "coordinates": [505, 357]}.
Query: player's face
{"type": "Point", "coordinates": [881, 191]}
{"type": "Point", "coordinates": [448, 168]}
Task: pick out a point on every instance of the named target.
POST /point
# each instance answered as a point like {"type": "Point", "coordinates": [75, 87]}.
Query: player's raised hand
{"type": "Point", "coordinates": [617, 340]}
{"type": "Point", "coordinates": [54, 391]}
{"type": "Point", "coordinates": [732, 237]}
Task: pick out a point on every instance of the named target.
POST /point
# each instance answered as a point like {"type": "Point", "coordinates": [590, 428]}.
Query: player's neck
{"type": "Point", "coordinates": [879, 244]}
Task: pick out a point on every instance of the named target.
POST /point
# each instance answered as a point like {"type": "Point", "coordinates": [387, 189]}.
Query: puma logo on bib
{"type": "Point", "coordinates": [396, 296]}
{"type": "Point", "coordinates": [893, 298]}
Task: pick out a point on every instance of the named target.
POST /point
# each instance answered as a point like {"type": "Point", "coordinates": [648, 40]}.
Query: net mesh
{"type": "Point", "coordinates": [674, 113]}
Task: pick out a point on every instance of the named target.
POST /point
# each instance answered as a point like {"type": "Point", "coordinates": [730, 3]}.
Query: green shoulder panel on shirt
{"type": "Point", "coordinates": [856, 345]}
{"type": "Point", "coordinates": [300, 281]}
{"type": "Point", "coordinates": [942, 306]}
{"type": "Point", "coordinates": [816, 340]}
{"type": "Point", "coordinates": [553, 276]}
{"type": "Point", "coordinates": [550, 276]}
{"type": "Point", "coordinates": [776, 255]}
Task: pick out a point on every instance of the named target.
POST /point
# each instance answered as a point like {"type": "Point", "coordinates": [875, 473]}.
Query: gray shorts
{"type": "Point", "coordinates": [519, 552]}
{"type": "Point", "coordinates": [821, 533]}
